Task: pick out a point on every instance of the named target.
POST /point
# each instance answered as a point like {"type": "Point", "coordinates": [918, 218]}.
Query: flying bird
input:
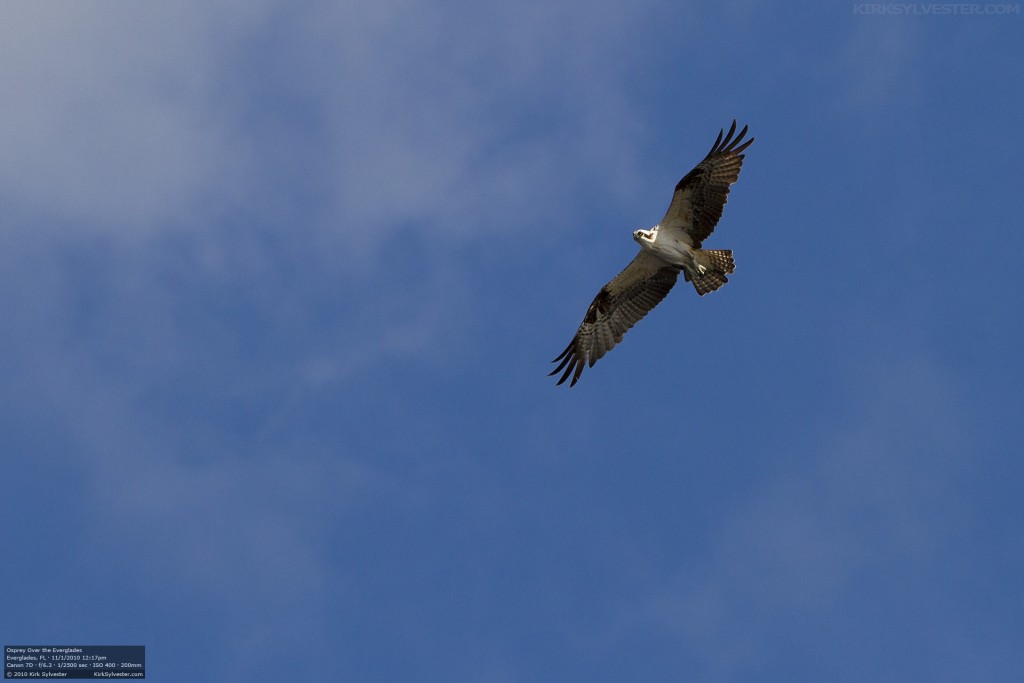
{"type": "Point", "coordinates": [671, 246]}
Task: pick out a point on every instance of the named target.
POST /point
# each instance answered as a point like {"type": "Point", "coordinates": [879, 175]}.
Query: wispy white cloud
{"type": "Point", "coordinates": [128, 118]}
{"type": "Point", "coordinates": [331, 129]}
{"type": "Point", "coordinates": [111, 117]}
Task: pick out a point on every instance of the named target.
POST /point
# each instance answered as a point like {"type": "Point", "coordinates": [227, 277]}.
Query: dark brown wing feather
{"type": "Point", "coordinates": [617, 307]}
{"type": "Point", "coordinates": [701, 195]}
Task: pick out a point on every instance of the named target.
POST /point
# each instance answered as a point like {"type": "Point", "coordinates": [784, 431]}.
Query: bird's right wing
{"type": "Point", "coordinates": [616, 308]}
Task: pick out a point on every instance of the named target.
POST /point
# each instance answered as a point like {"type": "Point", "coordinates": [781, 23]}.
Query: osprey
{"type": "Point", "coordinates": [671, 246]}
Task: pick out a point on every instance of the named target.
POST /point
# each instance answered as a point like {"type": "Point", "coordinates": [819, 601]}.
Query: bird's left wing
{"type": "Point", "coordinates": [702, 193]}
{"type": "Point", "coordinates": [616, 308]}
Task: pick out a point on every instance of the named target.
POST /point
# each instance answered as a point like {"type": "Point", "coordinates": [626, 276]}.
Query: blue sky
{"type": "Point", "coordinates": [280, 286]}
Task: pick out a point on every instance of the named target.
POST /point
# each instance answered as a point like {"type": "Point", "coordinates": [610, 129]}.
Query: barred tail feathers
{"type": "Point", "coordinates": [718, 263]}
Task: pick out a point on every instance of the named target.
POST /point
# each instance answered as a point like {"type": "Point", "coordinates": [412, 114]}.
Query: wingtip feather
{"type": "Point", "coordinates": [568, 364]}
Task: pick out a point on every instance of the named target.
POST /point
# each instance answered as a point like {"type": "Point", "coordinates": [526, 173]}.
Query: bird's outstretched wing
{"type": "Point", "coordinates": [616, 308]}
{"type": "Point", "coordinates": [701, 195]}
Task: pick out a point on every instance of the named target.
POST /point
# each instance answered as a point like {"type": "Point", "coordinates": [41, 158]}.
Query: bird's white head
{"type": "Point", "coordinates": [643, 236]}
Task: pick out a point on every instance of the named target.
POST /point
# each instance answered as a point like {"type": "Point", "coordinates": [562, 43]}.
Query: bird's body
{"type": "Point", "coordinates": [670, 247]}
